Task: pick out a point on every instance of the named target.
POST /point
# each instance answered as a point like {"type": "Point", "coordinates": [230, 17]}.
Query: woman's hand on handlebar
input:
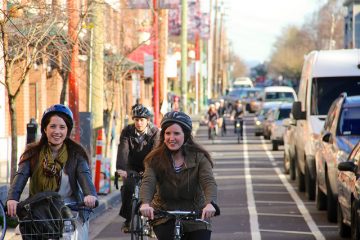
{"type": "Point", "coordinates": [122, 173]}
{"type": "Point", "coordinates": [147, 211]}
{"type": "Point", "coordinates": [208, 211]}
{"type": "Point", "coordinates": [90, 201]}
{"type": "Point", "coordinates": [11, 207]}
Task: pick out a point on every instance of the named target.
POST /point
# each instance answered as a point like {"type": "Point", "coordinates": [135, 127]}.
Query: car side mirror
{"type": "Point", "coordinates": [296, 111]}
{"type": "Point", "coordinates": [348, 166]}
{"type": "Point", "coordinates": [327, 137]}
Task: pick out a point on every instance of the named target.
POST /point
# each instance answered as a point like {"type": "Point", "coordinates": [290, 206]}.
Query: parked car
{"type": "Point", "coordinates": [289, 147]}
{"type": "Point", "coordinates": [340, 133]}
{"type": "Point", "coordinates": [260, 117]}
{"type": "Point", "coordinates": [348, 195]}
{"type": "Point", "coordinates": [325, 75]}
{"type": "Point", "coordinates": [277, 129]}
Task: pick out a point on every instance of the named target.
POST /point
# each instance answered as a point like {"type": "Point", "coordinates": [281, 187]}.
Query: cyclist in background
{"type": "Point", "coordinates": [212, 117]}
{"type": "Point", "coordinates": [178, 176]}
{"type": "Point", "coordinates": [136, 141]}
{"type": "Point", "coordinates": [221, 112]}
{"type": "Point", "coordinates": [238, 112]}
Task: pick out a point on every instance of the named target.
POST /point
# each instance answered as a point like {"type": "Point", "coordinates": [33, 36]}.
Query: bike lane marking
{"type": "Point", "coordinates": [254, 222]}
{"type": "Point", "coordinates": [299, 203]}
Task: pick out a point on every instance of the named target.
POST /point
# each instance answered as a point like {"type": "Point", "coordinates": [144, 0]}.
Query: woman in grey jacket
{"type": "Point", "coordinates": [55, 163]}
{"type": "Point", "coordinates": [178, 176]}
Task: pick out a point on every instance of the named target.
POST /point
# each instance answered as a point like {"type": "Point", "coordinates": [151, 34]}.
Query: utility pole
{"type": "Point", "coordinates": [74, 19]}
{"type": "Point", "coordinates": [215, 52]}
{"type": "Point", "coordinates": [184, 55]}
{"type": "Point", "coordinates": [156, 64]}
{"type": "Point", "coordinates": [97, 69]}
{"type": "Point", "coordinates": [163, 46]}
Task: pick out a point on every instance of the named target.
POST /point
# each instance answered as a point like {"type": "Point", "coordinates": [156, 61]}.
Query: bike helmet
{"type": "Point", "coordinates": [140, 111]}
{"type": "Point", "coordinates": [58, 108]}
{"type": "Point", "coordinates": [177, 117]}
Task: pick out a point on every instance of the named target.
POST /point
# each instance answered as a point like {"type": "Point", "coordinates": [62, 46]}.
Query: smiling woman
{"type": "Point", "coordinates": [178, 176]}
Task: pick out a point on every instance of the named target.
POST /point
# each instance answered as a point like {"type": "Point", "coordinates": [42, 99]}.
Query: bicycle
{"type": "Point", "coordinates": [212, 130]}
{"type": "Point", "coordinates": [139, 226]}
{"type": "Point", "coordinates": [239, 128]}
{"type": "Point", "coordinates": [180, 216]}
{"type": "Point", "coordinates": [63, 228]}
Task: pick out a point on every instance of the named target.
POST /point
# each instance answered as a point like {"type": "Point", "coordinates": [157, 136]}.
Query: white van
{"type": "Point", "coordinates": [242, 82]}
{"type": "Point", "coordinates": [279, 93]}
{"type": "Point", "coordinates": [325, 75]}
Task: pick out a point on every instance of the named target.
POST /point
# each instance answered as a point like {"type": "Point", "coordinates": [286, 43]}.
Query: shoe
{"type": "Point", "coordinates": [125, 228]}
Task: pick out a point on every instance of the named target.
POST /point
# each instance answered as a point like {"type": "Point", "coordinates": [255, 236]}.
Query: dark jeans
{"type": "Point", "coordinates": [241, 127]}
{"type": "Point", "coordinates": [127, 190]}
{"type": "Point", "coordinates": [166, 232]}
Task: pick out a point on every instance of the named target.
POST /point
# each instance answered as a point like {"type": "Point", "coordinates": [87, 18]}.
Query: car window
{"type": "Point", "coordinates": [330, 116]}
{"type": "Point", "coordinates": [279, 96]}
{"type": "Point", "coordinates": [326, 90]}
{"type": "Point", "coordinates": [283, 113]}
{"type": "Point", "coordinates": [349, 121]}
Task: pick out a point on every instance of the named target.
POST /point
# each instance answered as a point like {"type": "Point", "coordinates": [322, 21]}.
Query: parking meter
{"type": "Point", "coordinates": [31, 131]}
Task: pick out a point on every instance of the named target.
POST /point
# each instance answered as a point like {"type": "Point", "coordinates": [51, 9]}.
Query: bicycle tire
{"type": "Point", "coordinates": [135, 222]}
{"type": "Point", "coordinates": [3, 225]}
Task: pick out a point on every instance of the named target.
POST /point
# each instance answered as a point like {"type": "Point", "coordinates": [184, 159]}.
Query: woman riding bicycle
{"type": "Point", "coordinates": [178, 176]}
{"type": "Point", "coordinates": [56, 163]}
{"type": "Point", "coordinates": [212, 117]}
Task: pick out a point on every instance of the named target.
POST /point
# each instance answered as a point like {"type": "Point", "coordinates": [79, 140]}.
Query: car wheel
{"type": "Point", "coordinates": [320, 198]}
{"type": "Point", "coordinates": [344, 230]}
{"type": "Point", "coordinates": [309, 184]}
{"type": "Point", "coordinates": [275, 146]}
{"type": "Point", "coordinates": [300, 179]}
{"type": "Point", "coordinates": [355, 231]}
{"type": "Point", "coordinates": [331, 203]}
{"type": "Point", "coordinates": [286, 164]}
{"type": "Point", "coordinates": [292, 169]}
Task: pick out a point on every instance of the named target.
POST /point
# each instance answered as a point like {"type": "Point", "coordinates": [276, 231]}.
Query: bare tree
{"type": "Point", "coordinates": [29, 34]}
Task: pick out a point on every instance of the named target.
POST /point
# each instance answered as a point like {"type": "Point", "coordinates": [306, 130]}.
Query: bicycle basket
{"type": "Point", "coordinates": [41, 216]}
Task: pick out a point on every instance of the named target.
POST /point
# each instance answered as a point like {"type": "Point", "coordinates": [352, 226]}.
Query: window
{"type": "Point", "coordinates": [349, 121]}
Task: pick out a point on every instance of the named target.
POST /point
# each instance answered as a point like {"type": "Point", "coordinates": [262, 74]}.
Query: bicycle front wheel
{"type": "Point", "coordinates": [135, 223]}
{"type": "Point", "coordinates": [2, 221]}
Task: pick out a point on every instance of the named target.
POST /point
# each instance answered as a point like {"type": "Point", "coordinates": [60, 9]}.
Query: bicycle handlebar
{"type": "Point", "coordinates": [77, 206]}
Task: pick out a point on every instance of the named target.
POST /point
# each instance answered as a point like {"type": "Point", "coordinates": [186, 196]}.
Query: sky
{"type": "Point", "coordinates": [254, 25]}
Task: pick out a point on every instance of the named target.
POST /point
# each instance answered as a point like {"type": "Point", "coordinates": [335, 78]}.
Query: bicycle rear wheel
{"type": "Point", "coordinates": [3, 225]}
{"type": "Point", "coordinates": [135, 223]}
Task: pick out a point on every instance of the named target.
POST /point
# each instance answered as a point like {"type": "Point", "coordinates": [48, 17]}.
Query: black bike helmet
{"type": "Point", "coordinates": [58, 108]}
{"type": "Point", "coordinates": [177, 117]}
{"type": "Point", "coordinates": [140, 111]}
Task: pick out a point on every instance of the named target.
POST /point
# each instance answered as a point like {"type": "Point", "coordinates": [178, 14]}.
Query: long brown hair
{"type": "Point", "coordinates": [160, 157]}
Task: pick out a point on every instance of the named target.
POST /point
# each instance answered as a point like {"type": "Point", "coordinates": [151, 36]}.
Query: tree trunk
{"type": "Point", "coordinates": [14, 139]}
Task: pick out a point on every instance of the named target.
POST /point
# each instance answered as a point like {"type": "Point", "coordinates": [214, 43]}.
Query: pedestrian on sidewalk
{"type": "Point", "coordinates": [56, 163]}
{"type": "Point", "coordinates": [136, 141]}
{"type": "Point", "coordinates": [178, 176]}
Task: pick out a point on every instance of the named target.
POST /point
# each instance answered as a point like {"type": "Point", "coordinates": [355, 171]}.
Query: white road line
{"type": "Point", "coordinates": [301, 206]}
{"type": "Point", "coordinates": [282, 231]}
{"type": "Point", "coordinates": [280, 215]}
{"type": "Point", "coordinates": [254, 223]}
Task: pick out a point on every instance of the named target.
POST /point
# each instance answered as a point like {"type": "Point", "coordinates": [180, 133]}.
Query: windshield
{"type": "Point", "coordinates": [326, 90]}
{"type": "Point", "coordinates": [279, 96]}
{"type": "Point", "coordinates": [349, 123]}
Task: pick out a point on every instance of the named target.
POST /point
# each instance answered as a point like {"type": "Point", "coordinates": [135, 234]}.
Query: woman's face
{"type": "Point", "coordinates": [174, 137]}
{"type": "Point", "coordinates": [56, 131]}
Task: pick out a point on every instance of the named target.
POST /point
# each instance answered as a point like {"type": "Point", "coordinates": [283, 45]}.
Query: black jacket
{"type": "Point", "coordinates": [131, 153]}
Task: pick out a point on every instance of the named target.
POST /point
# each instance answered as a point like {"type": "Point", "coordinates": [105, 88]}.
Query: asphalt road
{"type": "Point", "coordinates": [257, 200]}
